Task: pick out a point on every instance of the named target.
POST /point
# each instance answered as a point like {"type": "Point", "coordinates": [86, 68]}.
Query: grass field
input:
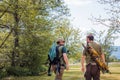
{"type": "Point", "coordinates": [75, 74]}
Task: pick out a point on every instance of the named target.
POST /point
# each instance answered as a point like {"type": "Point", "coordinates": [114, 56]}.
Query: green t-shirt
{"type": "Point", "coordinates": [97, 47]}
{"type": "Point", "coordinates": [62, 50]}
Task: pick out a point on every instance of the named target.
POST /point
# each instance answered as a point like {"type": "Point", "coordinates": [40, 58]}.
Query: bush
{"type": "Point", "coordinates": [3, 73]}
{"type": "Point", "coordinates": [43, 68]}
{"type": "Point", "coordinates": [18, 71]}
{"type": "Point", "coordinates": [36, 72]}
{"type": "Point", "coordinates": [22, 71]}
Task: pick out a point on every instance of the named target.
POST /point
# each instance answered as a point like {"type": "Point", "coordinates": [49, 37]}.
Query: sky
{"type": "Point", "coordinates": [82, 12]}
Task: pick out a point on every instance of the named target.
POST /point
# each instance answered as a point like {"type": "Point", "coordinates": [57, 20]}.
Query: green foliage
{"type": "Point", "coordinates": [43, 68]}
{"type": "Point", "coordinates": [113, 59]}
{"type": "Point", "coordinates": [34, 50]}
{"type": "Point", "coordinates": [3, 73]}
{"type": "Point", "coordinates": [18, 71]}
{"type": "Point", "coordinates": [32, 24]}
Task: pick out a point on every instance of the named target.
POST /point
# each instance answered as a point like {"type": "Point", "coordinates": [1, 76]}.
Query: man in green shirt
{"type": "Point", "coordinates": [92, 69]}
{"type": "Point", "coordinates": [61, 50]}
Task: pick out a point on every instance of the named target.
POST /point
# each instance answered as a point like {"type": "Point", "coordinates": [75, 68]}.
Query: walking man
{"type": "Point", "coordinates": [92, 69]}
{"type": "Point", "coordinates": [63, 60]}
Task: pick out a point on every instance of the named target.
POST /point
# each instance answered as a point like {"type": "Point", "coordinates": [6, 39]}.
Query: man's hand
{"type": "Point", "coordinates": [103, 58]}
{"type": "Point", "coordinates": [83, 69]}
{"type": "Point", "coordinates": [67, 67]}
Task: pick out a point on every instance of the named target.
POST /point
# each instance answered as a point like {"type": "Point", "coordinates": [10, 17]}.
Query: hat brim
{"type": "Point", "coordinates": [60, 41]}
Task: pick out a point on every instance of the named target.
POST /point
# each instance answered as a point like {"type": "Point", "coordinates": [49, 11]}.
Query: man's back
{"type": "Point", "coordinates": [60, 50]}
{"type": "Point", "coordinates": [97, 48]}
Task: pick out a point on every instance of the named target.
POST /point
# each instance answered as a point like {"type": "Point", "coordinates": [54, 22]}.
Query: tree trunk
{"type": "Point", "coordinates": [16, 35]}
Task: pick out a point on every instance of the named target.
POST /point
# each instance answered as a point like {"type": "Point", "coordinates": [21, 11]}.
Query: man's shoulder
{"type": "Point", "coordinates": [61, 47]}
{"type": "Point", "coordinates": [95, 44]}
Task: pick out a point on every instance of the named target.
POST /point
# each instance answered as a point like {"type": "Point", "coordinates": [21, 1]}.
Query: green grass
{"type": "Point", "coordinates": [75, 74]}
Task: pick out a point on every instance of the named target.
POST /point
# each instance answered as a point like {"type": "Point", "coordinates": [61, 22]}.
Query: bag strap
{"type": "Point", "coordinates": [59, 48]}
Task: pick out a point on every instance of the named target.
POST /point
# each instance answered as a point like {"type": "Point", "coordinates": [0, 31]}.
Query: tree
{"type": "Point", "coordinates": [113, 59]}
{"type": "Point", "coordinates": [113, 21]}
{"type": "Point", "coordinates": [29, 25]}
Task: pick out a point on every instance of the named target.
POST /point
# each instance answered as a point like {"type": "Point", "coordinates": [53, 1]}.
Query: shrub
{"type": "Point", "coordinates": [18, 71]}
{"type": "Point", "coordinates": [43, 68]}
{"type": "Point", "coordinates": [3, 73]}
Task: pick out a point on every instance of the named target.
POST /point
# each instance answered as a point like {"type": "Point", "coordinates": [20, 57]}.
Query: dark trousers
{"type": "Point", "coordinates": [92, 71]}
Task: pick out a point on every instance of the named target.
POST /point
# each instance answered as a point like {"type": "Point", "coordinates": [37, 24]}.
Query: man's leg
{"type": "Point", "coordinates": [54, 69]}
{"type": "Point", "coordinates": [95, 72]}
{"type": "Point", "coordinates": [88, 72]}
{"type": "Point", "coordinates": [59, 76]}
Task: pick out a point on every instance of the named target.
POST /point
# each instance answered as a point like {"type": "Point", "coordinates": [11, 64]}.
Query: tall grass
{"type": "Point", "coordinates": [75, 74]}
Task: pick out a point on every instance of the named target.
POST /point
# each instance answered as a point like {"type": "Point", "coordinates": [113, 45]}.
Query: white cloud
{"type": "Point", "coordinates": [78, 2]}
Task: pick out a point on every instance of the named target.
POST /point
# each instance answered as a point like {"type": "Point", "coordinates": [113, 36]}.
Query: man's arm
{"type": "Point", "coordinates": [103, 57]}
{"type": "Point", "coordinates": [82, 62]}
{"type": "Point", "coordinates": [66, 60]}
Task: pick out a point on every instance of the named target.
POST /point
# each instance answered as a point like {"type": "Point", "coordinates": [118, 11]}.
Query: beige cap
{"type": "Point", "coordinates": [60, 39]}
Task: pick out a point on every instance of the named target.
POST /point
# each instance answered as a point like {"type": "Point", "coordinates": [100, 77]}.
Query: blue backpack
{"type": "Point", "coordinates": [52, 52]}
